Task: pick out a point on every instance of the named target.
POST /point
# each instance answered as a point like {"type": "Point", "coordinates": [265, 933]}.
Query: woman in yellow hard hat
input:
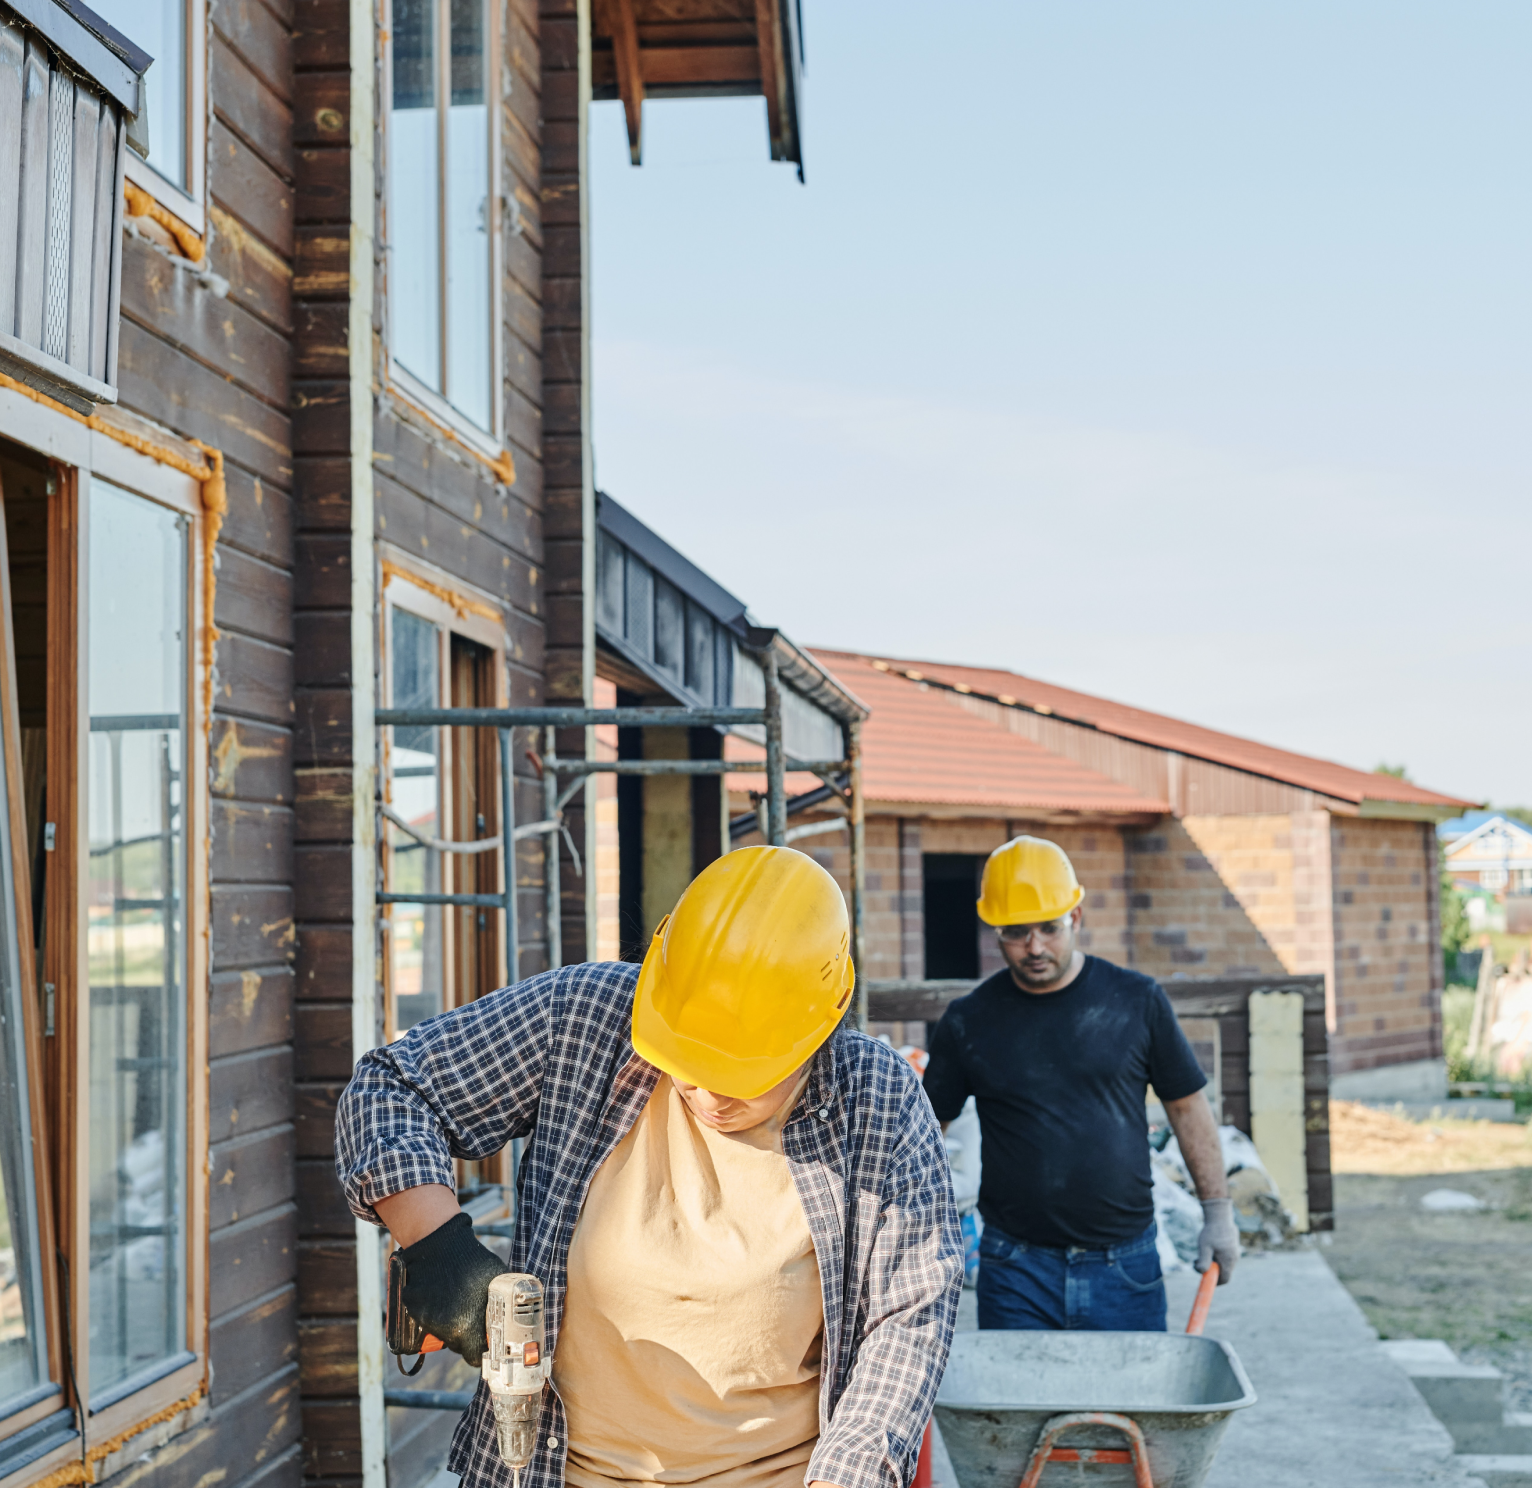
{"type": "Point", "coordinates": [739, 1208]}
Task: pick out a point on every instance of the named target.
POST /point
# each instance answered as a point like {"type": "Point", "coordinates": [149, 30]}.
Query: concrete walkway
{"type": "Point", "coordinates": [1333, 1410]}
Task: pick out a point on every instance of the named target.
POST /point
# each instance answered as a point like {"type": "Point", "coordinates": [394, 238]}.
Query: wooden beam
{"type": "Point", "coordinates": [767, 41]}
{"type": "Point", "coordinates": [701, 65]}
{"type": "Point", "coordinates": [630, 74]}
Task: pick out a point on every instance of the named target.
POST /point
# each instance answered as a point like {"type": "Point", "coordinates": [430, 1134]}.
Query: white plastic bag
{"type": "Point", "coordinates": [962, 1139]}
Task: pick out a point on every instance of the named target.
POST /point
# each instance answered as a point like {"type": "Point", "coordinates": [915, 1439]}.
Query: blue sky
{"type": "Point", "coordinates": [1179, 353]}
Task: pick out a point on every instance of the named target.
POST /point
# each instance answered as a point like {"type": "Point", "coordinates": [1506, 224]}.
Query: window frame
{"type": "Point", "coordinates": [408, 586]}
{"type": "Point", "coordinates": [401, 381]}
{"type": "Point", "coordinates": [31, 1033]}
{"type": "Point", "coordinates": [188, 202]}
{"type": "Point", "coordinates": [80, 454]}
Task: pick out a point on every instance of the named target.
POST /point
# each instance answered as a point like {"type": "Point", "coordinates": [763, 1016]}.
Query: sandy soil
{"type": "Point", "coordinates": [1363, 1140]}
{"type": "Point", "coordinates": [1462, 1277]}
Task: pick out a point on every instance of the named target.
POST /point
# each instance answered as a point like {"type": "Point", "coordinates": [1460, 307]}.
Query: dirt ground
{"type": "Point", "coordinates": [1464, 1277]}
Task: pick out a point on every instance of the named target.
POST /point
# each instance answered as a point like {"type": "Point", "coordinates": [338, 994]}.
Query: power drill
{"type": "Point", "coordinates": [515, 1365]}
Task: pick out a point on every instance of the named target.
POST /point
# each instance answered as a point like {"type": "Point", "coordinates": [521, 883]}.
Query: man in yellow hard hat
{"type": "Point", "coordinates": [739, 1208]}
{"type": "Point", "coordinates": [1059, 1050]}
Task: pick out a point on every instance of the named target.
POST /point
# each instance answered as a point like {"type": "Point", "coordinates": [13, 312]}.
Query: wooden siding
{"type": "Point", "coordinates": [215, 366]}
{"type": "Point", "coordinates": [434, 499]}
{"type": "Point", "coordinates": [1191, 786]}
{"type": "Point", "coordinates": [322, 712]}
{"type": "Point", "coordinates": [564, 442]}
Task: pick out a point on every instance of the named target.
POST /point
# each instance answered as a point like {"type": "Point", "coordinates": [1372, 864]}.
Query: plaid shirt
{"type": "Point", "coordinates": [553, 1053]}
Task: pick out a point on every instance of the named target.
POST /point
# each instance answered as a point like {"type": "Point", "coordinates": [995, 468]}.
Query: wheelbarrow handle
{"type": "Point", "coordinates": [1198, 1320]}
{"type": "Point", "coordinates": [1047, 1450]}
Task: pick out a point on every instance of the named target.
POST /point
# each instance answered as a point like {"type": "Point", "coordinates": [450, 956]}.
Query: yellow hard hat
{"type": "Point", "coordinates": [1027, 882]}
{"type": "Point", "coordinates": [748, 975]}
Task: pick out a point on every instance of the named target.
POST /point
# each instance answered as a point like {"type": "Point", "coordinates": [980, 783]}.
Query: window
{"type": "Point", "coordinates": [441, 204]}
{"type": "Point", "coordinates": [441, 784]}
{"type": "Point", "coordinates": [23, 1325]}
{"type": "Point", "coordinates": [103, 926]}
{"type": "Point", "coordinates": [1493, 878]}
{"type": "Point", "coordinates": [951, 889]}
{"type": "Point", "coordinates": [171, 31]}
{"type": "Point", "coordinates": [136, 939]}
{"type": "Point", "coordinates": [415, 780]}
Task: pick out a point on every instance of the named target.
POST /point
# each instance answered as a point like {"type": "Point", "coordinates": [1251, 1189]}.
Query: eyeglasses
{"type": "Point", "coordinates": [1021, 934]}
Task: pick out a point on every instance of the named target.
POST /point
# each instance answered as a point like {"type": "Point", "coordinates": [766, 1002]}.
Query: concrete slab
{"type": "Point", "coordinates": [1499, 1471]}
{"type": "Point", "coordinates": [1334, 1410]}
{"type": "Point", "coordinates": [1468, 1108]}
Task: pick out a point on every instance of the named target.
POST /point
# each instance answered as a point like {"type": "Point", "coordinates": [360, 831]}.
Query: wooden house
{"type": "Point", "coordinates": [294, 425]}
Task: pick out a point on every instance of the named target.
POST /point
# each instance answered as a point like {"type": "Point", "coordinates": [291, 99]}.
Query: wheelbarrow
{"type": "Point", "coordinates": [1140, 1409]}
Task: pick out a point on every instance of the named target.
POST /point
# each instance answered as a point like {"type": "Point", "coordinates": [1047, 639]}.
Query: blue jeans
{"type": "Point", "coordinates": [1117, 1290]}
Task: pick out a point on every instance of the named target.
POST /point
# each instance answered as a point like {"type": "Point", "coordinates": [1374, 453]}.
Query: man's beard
{"type": "Point", "coordinates": [1043, 976]}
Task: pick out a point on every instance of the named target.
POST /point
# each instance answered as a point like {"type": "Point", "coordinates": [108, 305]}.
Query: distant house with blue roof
{"type": "Point", "coordinates": [1489, 851]}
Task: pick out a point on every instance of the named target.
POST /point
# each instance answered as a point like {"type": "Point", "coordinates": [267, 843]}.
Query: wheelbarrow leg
{"type": "Point", "coordinates": [1045, 1451]}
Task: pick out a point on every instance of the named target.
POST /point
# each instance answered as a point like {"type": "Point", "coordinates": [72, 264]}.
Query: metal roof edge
{"type": "Point", "coordinates": [1442, 810]}
{"type": "Point", "coordinates": [74, 37]}
{"type": "Point", "coordinates": [614, 518]}
{"type": "Point", "coordinates": [805, 675]}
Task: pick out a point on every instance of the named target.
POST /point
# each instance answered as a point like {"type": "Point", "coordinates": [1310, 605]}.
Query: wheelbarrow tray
{"type": "Point", "coordinates": [1001, 1387]}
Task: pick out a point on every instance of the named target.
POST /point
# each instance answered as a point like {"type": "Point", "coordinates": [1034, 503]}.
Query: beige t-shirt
{"type": "Point", "coordinates": [689, 1349]}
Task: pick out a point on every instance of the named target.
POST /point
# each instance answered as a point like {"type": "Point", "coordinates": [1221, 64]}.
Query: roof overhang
{"type": "Point", "coordinates": [664, 626]}
{"type": "Point", "coordinates": [1010, 811]}
{"type": "Point", "coordinates": [701, 49]}
{"type": "Point", "coordinates": [1420, 811]}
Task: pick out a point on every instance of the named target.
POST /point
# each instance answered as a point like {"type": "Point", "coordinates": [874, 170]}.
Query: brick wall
{"type": "Point", "coordinates": [1386, 1011]}
{"type": "Point", "coordinates": [1195, 898]}
{"type": "Point", "coordinates": [894, 916]}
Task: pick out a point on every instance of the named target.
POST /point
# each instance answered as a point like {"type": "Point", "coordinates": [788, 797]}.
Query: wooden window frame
{"type": "Point", "coordinates": [402, 383]}
{"type": "Point", "coordinates": [425, 600]}
{"type": "Point", "coordinates": [31, 1034]}
{"type": "Point", "coordinates": [82, 454]}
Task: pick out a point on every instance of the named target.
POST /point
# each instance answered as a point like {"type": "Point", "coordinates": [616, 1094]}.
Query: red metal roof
{"type": "Point", "coordinates": [919, 747]}
{"type": "Point", "coordinates": [1330, 779]}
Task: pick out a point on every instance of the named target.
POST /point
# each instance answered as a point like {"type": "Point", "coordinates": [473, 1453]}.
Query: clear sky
{"type": "Point", "coordinates": [1180, 353]}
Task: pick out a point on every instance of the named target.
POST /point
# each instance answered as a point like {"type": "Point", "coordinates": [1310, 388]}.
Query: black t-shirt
{"type": "Point", "coordinates": [1060, 1080]}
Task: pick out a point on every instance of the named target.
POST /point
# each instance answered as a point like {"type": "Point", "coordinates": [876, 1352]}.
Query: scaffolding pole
{"type": "Point", "coordinates": [776, 793]}
{"type": "Point", "coordinates": [508, 856]}
{"type": "Point", "coordinates": [553, 900]}
{"type": "Point", "coordinates": [853, 736]}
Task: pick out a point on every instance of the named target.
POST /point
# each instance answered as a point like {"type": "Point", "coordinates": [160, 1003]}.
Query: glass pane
{"type": "Point", "coordinates": [136, 937]}
{"type": "Point", "coordinates": [23, 1357]}
{"type": "Point", "coordinates": [414, 268]}
{"type": "Point", "coordinates": [469, 319]}
{"type": "Point", "coordinates": [415, 941]}
{"type": "Point", "coordinates": [159, 27]}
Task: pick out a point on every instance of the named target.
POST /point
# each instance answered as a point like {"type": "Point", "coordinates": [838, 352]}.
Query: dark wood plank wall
{"type": "Point", "coordinates": [434, 500]}
{"type": "Point", "coordinates": [322, 749]}
{"type": "Point", "coordinates": [564, 441]}
{"type": "Point", "coordinates": [215, 366]}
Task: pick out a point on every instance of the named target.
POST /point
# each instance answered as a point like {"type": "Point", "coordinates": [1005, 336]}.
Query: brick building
{"type": "Point", "coordinates": [1202, 854]}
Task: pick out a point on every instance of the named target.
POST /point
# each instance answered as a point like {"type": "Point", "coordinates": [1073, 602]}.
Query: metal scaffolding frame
{"type": "Point", "coordinates": [556, 770]}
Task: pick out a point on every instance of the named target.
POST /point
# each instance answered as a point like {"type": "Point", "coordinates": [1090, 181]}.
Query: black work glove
{"type": "Point", "coordinates": [446, 1286]}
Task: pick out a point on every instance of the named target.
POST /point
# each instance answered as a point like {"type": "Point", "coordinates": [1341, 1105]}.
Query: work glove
{"type": "Point", "coordinates": [1219, 1240]}
{"type": "Point", "coordinates": [446, 1286]}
